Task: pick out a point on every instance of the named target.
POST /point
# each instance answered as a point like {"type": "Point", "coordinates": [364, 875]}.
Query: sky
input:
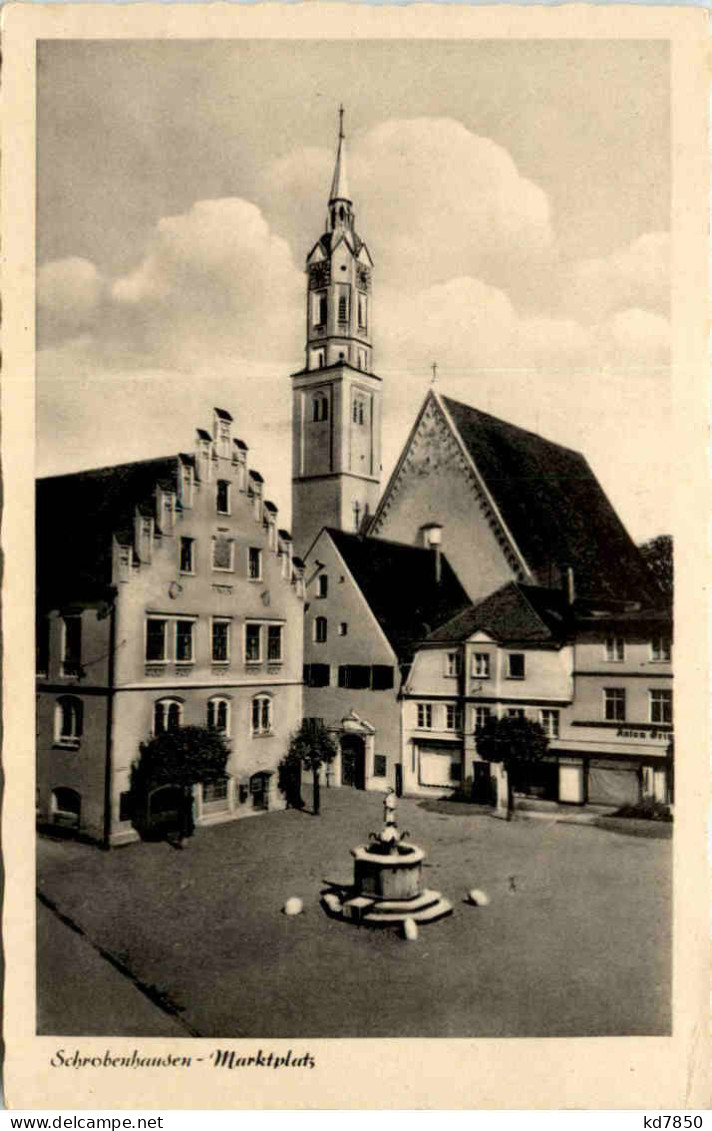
{"type": "Point", "coordinates": [514, 195]}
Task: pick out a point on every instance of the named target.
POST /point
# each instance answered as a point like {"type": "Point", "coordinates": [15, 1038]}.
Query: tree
{"type": "Point", "coordinates": [180, 757]}
{"type": "Point", "coordinates": [513, 742]}
{"type": "Point", "coordinates": [313, 747]}
{"type": "Point", "coordinates": [658, 555]}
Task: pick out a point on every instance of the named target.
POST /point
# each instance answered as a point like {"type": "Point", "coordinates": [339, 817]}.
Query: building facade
{"type": "Point", "coordinates": [176, 599]}
{"type": "Point", "coordinates": [598, 682]}
{"type": "Point", "coordinates": [368, 602]}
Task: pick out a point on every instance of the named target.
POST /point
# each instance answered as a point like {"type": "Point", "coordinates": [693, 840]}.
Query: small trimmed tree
{"type": "Point", "coordinates": [313, 746]}
{"type": "Point", "coordinates": [180, 757]}
{"type": "Point", "coordinates": [513, 742]}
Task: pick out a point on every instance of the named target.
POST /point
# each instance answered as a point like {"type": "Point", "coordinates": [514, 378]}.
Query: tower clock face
{"type": "Point", "coordinates": [363, 277]}
{"type": "Point", "coordinates": [319, 274]}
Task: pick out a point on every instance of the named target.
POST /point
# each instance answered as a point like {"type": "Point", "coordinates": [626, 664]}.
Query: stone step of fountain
{"type": "Point", "coordinates": [435, 910]}
{"type": "Point", "coordinates": [419, 902]}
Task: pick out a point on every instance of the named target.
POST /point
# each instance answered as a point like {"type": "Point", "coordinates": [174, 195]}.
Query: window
{"type": "Point", "coordinates": [362, 305]}
{"type": "Point", "coordinates": [515, 713]}
{"type": "Point", "coordinates": [214, 791]}
{"type": "Point", "coordinates": [68, 720]}
{"type": "Point", "coordinates": [155, 640]}
{"type": "Point", "coordinates": [253, 643]}
{"type": "Point", "coordinates": [343, 628]}
{"type": "Point", "coordinates": [320, 630]}
{"type": "Point", "coordinates": [381, 677]}
{"type": "Point", "coordinates": [223, 552]}
{"type": "Point", "coordinates": [452, 717]}
{"type": "Point", "coordinates": [515, 669]}
{"type": "Point", "coordinates": [274, 643]}
{"type": "Point", "coordinates": [343, 308]}
{"type": "Point", "coordinates": [220, 642]}
{"type": "Point", "coordinates": [254, 563]}
{"type": "Point", "coordinates": [222, 500]}
{"type": "Point", "coordinates": [550, 723]}
{"type": "Point", "coordinates": [481, 665]}
{"type": "Point", "coordinates": [614, 704]}
{"type": "Point", "coordinates": [615, 648]}
{"type": "Point", "coordinates": [219, 715]}
{"type": "Point", "coordinates": [322, 585]}
{"type": "Point", "coordinates": [184, 641]}
{"type": "Point", "coordinates": [186, 485]}
{"type": "Point", "coordinates": [425, 716]}
{"type": "Point", "coordinates": [168, 511]}
{"type": "Point", "coordinates": [660, 706]}
{"type": "Point", "coordinates": [319, 308]}
{"type": "Point", "coordinates": [167, 715]}
{"type": "Point", "coordinates": [262, 714]}
{"type": "Point", "coordinates": [380, 766]}
{"type": "Point", "coordinates": [317, 675]}
{"type": "Point", "coordinates": [320, 404]}
{"type": "Point", "coordinates": [661, 650]}
{"type": "Point", "coordinates": [482, 714]}
{"type": "Point", "coordinates": [452, 663]}
{"type": "Point", "coordinates": [358, 410]}
{"type": "Point", "coordinates": [71, 645]}
{"type": "Point", "coordinates": [187, 561]}
{"type": "Point", "coordinates": [456, 771]}
{"type": "Point", "coordinates": [356, 676]}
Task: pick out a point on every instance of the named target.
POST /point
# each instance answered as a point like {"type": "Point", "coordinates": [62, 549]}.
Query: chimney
{"type": "Point", "coordinates": [432, 538]}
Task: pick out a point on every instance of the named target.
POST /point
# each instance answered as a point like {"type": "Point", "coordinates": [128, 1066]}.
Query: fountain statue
{"type": "Point", "coordinates": [388, 886]}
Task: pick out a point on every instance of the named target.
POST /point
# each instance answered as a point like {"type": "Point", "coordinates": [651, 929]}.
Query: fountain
{"type": "Point", "coordinates": [388, 886]}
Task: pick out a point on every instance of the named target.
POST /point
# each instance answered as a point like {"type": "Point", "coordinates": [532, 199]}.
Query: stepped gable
{"type": "Point", "coordinates": [398, 582]}
{"type": "Point", "coordinates": [78, 515]}
{"type": "Point", "coordinates": [553, 506]}
{"type": "Point", "coordinates": [522, 614]}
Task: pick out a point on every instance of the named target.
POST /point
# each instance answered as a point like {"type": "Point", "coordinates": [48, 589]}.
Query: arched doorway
{"type": "Point", "coordinates": [353, 761]}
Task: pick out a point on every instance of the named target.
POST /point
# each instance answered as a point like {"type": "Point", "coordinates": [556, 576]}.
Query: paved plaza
{"type": "Point", "coordinates": [575, 939]}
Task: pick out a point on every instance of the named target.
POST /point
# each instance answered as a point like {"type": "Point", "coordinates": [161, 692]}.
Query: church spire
{"type": "Point", "coordinates": [339, 184]}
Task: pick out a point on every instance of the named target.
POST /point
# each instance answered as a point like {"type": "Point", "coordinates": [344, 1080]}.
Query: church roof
{"type": "Point", "coordinates": [553, 506]}
{"type": "Point", "coordinates": [399, 584]}
{"type": "Point", "coordinates": [521, 614]}
{"type": "Point", "coordinates": [78, 514]}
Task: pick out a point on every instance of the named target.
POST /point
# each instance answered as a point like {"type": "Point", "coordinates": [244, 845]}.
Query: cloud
{"type": "Point", "coordinates": [69, 292]}
{"type": "Point", "coordinates": [634, 276]}
{"type": "Point", "coordinates": [213, 279]}
{"type": "Point", "coordinates": [445, 201]}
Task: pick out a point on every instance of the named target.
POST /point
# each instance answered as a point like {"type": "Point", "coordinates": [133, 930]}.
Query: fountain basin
{"type": "Point", "coordinates": [395, 874]}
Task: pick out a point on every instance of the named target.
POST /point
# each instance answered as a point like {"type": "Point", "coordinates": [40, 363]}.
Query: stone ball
{"type": "Point", "coordinates": [293, 906]}
{"type": "Point", "coordinates": [410, 930]}
{"type": "Point", "coordinates": [477, 898]}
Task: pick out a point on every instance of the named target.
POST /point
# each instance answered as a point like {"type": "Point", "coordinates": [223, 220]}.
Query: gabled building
{"type": "Point", "coordinates": [508, 655]}
{"type": "Point", "coordinates": [368, 602]}
{"type": "Point", "coordinates": [167, 594]}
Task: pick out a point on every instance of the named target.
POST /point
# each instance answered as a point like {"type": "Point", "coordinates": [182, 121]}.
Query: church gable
{"type": "Point", "coordinates": [435, 482]}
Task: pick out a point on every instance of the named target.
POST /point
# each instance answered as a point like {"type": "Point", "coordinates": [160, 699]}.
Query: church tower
{"type": "Point", "coordinates": [336, 409]}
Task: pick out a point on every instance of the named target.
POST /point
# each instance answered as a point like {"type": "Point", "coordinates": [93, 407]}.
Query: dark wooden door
{"type": "Point", "coordinates": [353, 761]}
